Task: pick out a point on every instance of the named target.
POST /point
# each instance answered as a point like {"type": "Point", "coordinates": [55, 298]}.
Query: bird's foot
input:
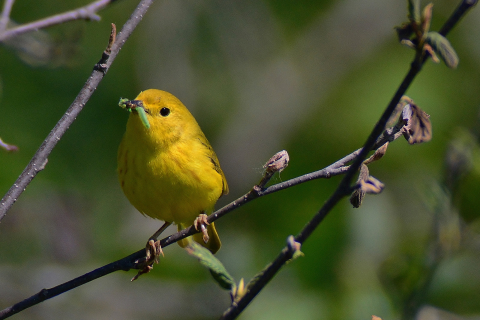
{"type": "Point", "coordinates": [152, 255]}
{"type": "Point", "coordinates": [146, 269]}
{"type": "Point", "coordinates": [153, 249]}
{"type": "Point", "coordinates": [200, 224]}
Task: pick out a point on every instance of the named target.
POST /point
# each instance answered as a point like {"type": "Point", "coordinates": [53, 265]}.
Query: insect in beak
{"type": "Point", "coordinates": [137, 105]}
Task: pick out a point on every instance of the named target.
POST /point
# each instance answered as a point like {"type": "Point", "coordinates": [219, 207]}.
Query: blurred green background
{"type": "Point", "coordinates": [311, 77]}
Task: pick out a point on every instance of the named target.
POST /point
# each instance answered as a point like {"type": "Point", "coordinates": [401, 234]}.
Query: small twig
{"type": "Point", "coordinates": [88, 12]}
{"type": "Point", "coordinates": [7, 8]}
{"type": "Point", "coordinates": [40, 158]}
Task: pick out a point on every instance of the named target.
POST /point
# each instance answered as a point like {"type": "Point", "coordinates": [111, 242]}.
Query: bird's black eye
{"type": "Point", "coordinates": [164, 112]}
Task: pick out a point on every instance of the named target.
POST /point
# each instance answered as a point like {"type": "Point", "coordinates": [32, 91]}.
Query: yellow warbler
{"type": "Point", "coordinates": [168, 170]}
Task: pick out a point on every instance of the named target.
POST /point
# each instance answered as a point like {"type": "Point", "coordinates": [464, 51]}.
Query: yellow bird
{"type": "Point", "coordinates": [167, 169]}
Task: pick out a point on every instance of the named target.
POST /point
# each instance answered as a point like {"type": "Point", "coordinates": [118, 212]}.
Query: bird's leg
{"type": "Point", "coordinates": [200, 224]}
{"type": "Point", "coordinates": [152, 252]}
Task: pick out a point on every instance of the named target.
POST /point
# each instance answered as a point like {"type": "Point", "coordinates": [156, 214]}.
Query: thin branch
{"type": "Point", "coordinates": [342, 190]}
{"type": "Point", "coordinates": [7, 8]}
{"type": "Point", "coordinates": [40, 158]}
{"type": "Point", "coordinates": [88, 12]}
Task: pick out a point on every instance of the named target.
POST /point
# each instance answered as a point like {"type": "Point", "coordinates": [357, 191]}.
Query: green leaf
{"type": "Point", "coordinates": [414, 11]}
{"type": "Point", "coordinates": [442, 48]}
{"type": "Point", "coordinates": [207, 259]}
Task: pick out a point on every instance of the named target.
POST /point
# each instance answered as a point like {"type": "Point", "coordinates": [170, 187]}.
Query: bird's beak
{"type": "Point", "coordinates": [136, 105]}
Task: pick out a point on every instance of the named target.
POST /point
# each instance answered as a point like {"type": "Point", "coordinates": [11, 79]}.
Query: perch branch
{"type": "Point", "coordinates": [131, 261]}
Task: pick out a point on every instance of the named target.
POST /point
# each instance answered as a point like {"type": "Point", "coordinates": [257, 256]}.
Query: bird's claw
{"type": "Point", "coordinates": [200, 224]}
{"type": "Point", "coordinates": [153, 249]}
{"type": "Point", "coordinates": [146, 269]}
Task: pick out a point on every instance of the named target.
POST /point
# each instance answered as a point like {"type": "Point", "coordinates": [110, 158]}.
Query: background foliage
{"type": "Point", "coordinates": [310, 77]}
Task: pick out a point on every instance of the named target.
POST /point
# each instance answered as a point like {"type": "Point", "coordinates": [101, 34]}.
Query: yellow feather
{"type": "Point", "coordinates": [169, 171]}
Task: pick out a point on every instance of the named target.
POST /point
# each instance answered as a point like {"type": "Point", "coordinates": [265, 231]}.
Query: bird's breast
{"type": "Point", "coordinates": [173, 184]}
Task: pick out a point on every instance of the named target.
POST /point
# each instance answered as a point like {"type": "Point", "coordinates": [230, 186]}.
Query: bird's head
{"type": "Point", "coordinates": [159, 116]}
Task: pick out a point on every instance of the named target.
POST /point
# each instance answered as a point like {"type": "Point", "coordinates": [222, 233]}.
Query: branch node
{"type": "Point", "coordinates": [294, 248]}
{"type": "Point", "coordinates": [256, 188]}
{"type": "Point", "coordinates": [43, 294]}
{"type": "Point", "coordinates": [277, 163]}
{"type": "Point", "coordinates": [101, 65]}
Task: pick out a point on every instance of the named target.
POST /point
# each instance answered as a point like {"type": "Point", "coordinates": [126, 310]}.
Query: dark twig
{"type": "Point", "coordinates": [88, 12]}
{"type": "Point", "coordinates": [342, 190]}
{"type": "Point", "coordinates": [40, 158]}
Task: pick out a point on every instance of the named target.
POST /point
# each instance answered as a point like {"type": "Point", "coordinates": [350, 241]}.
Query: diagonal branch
{"type": "Point", "coordinates": [344, 187]}
{"type": "Point", "coordinates": [342, 190]}
{"type": "Point", "coordinates": [40, 158]}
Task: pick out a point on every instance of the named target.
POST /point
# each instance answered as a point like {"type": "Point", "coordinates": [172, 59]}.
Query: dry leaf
{"type": "Point", "coordinates": [418, 127]}
{"type": "Point", "coordinates": [379, 153]}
